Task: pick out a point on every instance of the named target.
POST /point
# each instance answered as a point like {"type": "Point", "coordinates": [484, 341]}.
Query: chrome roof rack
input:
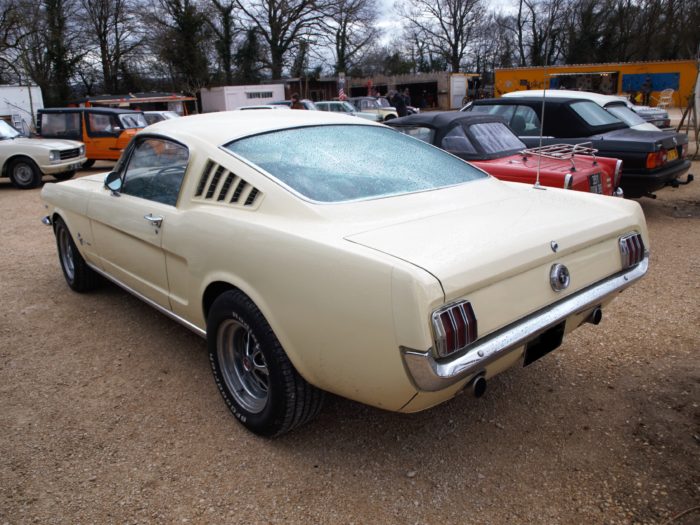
{"type": "Point", "coordinates": [563, 151]}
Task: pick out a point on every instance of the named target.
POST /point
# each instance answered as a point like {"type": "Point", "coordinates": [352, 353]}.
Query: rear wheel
{"type": "Point", "coordinates": [255, 377]}
{"type": "Point", "coordinates": [24, 173]}
{"type": "Point", "coordinates": [79, 276]}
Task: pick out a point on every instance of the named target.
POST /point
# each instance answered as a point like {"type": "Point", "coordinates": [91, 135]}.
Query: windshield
{"type": "Point", "coordinates": [132, 120]}
{"type": "Point", "coordinates": [383, 102]}
{"type": "Point", "coordinates": [369, 103]}
{"type": "Point", "coordinates": [495, 137]}
{"type": "Point", "coordinates": [593, 114]}
{"type": "Point", "coordinates": [626, 115]}
{"type": "Point", "coordinates": [347, 107]}
{"type": "Point", "coordinates": [340, 163]}
{"type": "Point", "coordinates": [7, 131]}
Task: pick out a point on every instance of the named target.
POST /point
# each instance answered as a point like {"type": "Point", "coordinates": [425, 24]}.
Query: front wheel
{"type": "Point", "coordinates": [255, 377]}
{"type": "Point", "coordinates": [64, 176]}
{"type": "Point", "coordinates": [88, 164]}
{"type": "Point", "coordinates": [24, 174]}
{"type": "Point", "coordinates": [79, 276]}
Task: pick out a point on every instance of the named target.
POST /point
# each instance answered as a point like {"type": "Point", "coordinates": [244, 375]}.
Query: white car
{"type": "Point", "coordinates": [618, 107]}
{"type": "Point", "coordinates": [262, 106]}
{"type": "Point", "coordinates": [312, 257]}
{"type": "Point", "coordinates": [26, 160]}
{"type": "Point", "coordinates": [342, 106]}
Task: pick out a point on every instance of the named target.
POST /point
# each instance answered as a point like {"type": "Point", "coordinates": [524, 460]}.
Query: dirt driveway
{"type": "Point", "coordinates": [109, 414]}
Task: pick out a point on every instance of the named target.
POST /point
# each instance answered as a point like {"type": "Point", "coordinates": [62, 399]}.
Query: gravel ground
{"type": "Point", "coordinates": [109, 414]}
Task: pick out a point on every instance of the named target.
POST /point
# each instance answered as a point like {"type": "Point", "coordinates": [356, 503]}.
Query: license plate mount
{"type": "Point", "coordinates": [544, 343]}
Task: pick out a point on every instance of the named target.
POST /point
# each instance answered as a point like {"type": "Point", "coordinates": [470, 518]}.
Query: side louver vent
{"type": "Point", "coordinates": [220, 185]}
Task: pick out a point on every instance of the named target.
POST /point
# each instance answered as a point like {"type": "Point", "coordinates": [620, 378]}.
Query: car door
{"type": "Point", "coordinates": [128, 224]}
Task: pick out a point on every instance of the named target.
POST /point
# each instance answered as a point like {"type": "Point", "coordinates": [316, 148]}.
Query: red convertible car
{"type": "Point", "coordinates": [487, 142]}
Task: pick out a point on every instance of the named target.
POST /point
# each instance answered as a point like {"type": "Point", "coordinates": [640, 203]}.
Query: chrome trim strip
{"type": "Point", "coordinates": [430, 375]}
{"type": "Point", "coordinates": [164, 311]}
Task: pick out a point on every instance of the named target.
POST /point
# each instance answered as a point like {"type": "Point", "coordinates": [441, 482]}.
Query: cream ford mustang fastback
{"type": "Point", "coordinates": [317, 252]}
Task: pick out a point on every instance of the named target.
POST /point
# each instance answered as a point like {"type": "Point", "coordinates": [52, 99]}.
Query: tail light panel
{"type": "Point", "coordinates": [618, 173]}
{"type": "Point", "coordinates": [454, 328]}
{"type": "Point", "coordinates": [656, 159]}
{"type": "Point", "coordinates": [631, 249]}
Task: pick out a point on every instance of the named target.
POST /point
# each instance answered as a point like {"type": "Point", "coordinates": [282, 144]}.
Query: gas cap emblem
{"type": "Point", "coordinates": [559, 277]}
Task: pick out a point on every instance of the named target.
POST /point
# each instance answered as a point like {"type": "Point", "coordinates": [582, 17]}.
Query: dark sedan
{"type": "Point", "coordinates": [651, 159]}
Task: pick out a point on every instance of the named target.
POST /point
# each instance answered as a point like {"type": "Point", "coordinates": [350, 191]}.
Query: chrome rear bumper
{"type": "Point", "coordinates": [430, 375]}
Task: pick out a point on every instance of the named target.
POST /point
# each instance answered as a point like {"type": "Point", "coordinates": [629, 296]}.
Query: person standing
{"type": "Point", "coordinates": [399, 103]}
{"type": "Point", "coordinates": [296, 103]}
{"type": "Point", "coordinates": [646, 90]}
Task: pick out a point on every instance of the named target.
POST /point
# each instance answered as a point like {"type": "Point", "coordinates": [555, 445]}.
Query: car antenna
{"type": "Point", "coordinates": [538, 186]}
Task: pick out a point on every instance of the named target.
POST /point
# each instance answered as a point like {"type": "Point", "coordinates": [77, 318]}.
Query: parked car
{"type": "Point", "coordinates": [262, 106]}
{"type": "Point", "coordinates": [488, 143]}
{"type": "Point", "coordinates": [157, 116]}
{"type": "Point", "coordinates": [105, 131]}
{"type": "Point", "coordinates": [312, 257]}
{"type": "Point", "coordinates": [651, 159]}
{"type": "Point", "coordinates": [26, 160]}
{"type": "Point", "coordinates": [612, 104]}
{"type": "Point", "coordinates": [371, 105]}
{"type": "Point", "coordinates": [308, 104]}
{"type": "Point", "coordinates": [384, 102]}
{"type": "Point", "coordinates": [343, 106]}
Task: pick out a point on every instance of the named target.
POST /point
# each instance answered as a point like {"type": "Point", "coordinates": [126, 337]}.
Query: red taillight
{"type": "Point", "coordinates": [631, 249]}
{"type": "Point", "coordinates": [454, 328]}
{"type": "Point", "coordinates": [656, 159]}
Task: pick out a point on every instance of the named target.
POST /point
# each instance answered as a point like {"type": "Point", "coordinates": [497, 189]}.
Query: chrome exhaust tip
{"type": "Point", "coordinates": [478, 386]}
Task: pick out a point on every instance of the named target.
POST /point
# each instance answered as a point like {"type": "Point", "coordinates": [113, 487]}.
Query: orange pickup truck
{"type": "Point", "coordinates": [105, 131]}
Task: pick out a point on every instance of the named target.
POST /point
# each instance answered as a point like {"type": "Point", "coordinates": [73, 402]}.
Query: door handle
{"type": "Point", "coordinates": [154, 220]}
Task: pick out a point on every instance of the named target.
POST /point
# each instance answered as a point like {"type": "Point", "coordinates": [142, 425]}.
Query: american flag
{"type": "Point", "coordinates": [341, 94]}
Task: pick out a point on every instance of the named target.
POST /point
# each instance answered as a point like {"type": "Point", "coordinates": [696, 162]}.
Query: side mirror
{"type": "Point", "coordinates": [113, 182]}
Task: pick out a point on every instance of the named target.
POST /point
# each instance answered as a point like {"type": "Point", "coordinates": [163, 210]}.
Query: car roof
{"type": "Point", "coordinates": [444, 118]}
{"type": "Point", "coordinates": [224, 126]}
{"type": "Point", "coordinates": [514, 101]}
{"type": "Point", "coordinates": [93, 109]}
{"type": "Point", "coordinates": [598, 98]}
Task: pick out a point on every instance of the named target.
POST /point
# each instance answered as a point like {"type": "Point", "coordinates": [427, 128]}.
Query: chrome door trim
{"type": "Point", "coordinates": [165, 311]}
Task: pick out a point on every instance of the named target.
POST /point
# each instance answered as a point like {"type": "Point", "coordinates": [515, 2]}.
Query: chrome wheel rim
{"type": "Point", "coordinates": [24, 174]}
{"type": "Point", "coordinates": [66, 253]}
{"type": "Point", "coordinates": [243, 366]}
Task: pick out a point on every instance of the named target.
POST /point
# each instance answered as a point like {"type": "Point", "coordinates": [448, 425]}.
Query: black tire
{"type": "Point", "coordinates": [24, 173]}
{"type": "Point", "coordinates": [88, 164]}
{"type": "Point", "coordinates": [255, 377]}
{"type": "Point", "coordinates": [79, 276]}
{"type": "Point", "coordinates": [389, 117]}
{"type": "Point", "coordinates": [64, 176]}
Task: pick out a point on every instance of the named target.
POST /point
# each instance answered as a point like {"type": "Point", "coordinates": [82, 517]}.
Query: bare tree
{"type": "Point", "coordinates": [224, 30]}
{"type": "Point", "coordinates": [111, 28]}
{"type": "Point", "coordinates": [447, 24]}
{"type": "Point", "coordinates": [283, 24]}
{"type": "Point", "coordinates": [350, 30]}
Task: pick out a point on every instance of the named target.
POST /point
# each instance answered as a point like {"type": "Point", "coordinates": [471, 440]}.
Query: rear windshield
{"type": "Point", "coordinates": [340, 163]}
{"type": "Point", "coordinates": [495, 137]}
{"type": "Point", "coordinates": [626, 115]}
{"type": "Point", "coordinates": [593, 114]}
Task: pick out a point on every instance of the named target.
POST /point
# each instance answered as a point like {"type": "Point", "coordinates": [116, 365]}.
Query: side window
{"type": "Point", "coordinates": [155, 170]}
{"type": "Point", "coordinates": [101, 124]}
{"type": "Point", "coordinates": [63, 125]}
{"type": "Point", "coordinates": [456, 141]}
{"type": "Point", "coordinates": [525, 122]}
{"type": "Point", "coordinates": [505, 111]}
